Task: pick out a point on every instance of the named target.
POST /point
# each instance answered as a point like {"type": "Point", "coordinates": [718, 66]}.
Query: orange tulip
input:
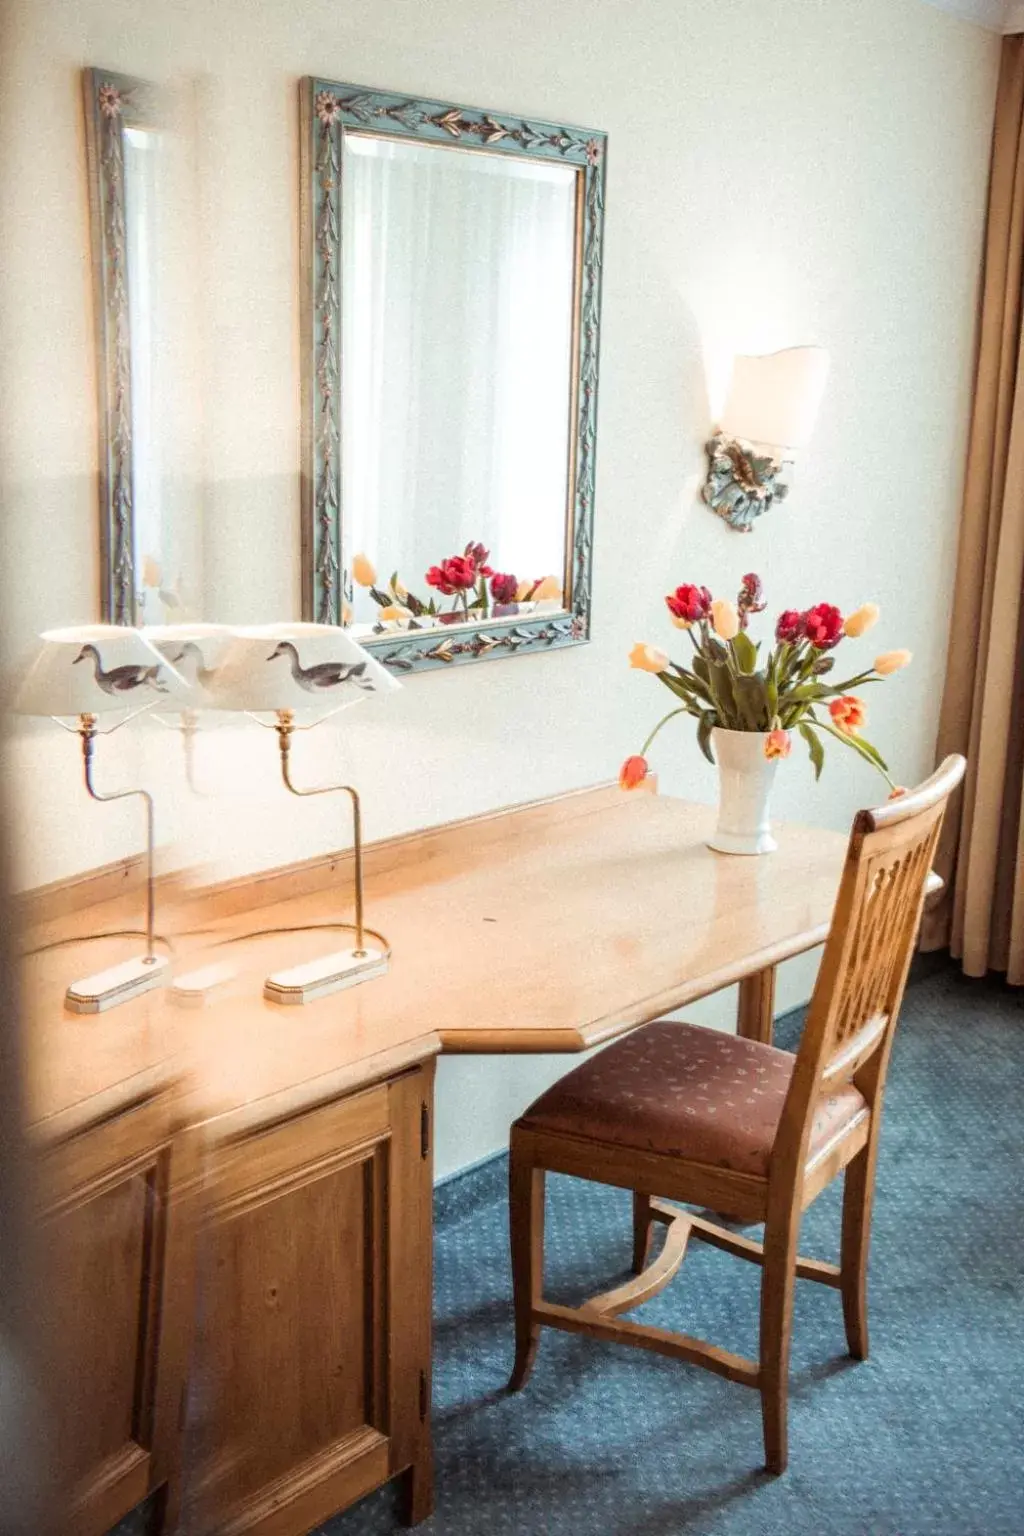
{"type": "Point", "coordinates": [725, 619]}
{"type": "Point", "coordinates": [848, 713]}
{"type": "Point", "coordinates": [896, 791]}
{"type": "Point", "coordinates": [892, 661]}
{"type": "Point", "coordinates": [633, 772]}
{"type": "Point", "coordinates": [363, 571]}
{"type": "Point", "coordinates": [861, 620]}
{"type": "Point", "coordinates": [647, 658]}
{"type": "Point", "coordinates": [777, 744]}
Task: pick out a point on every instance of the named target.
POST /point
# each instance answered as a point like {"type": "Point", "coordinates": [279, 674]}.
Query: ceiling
{"type": "Point", "coordinates": [997, 15]}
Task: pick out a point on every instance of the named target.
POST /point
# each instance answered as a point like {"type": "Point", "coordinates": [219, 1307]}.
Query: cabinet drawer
{"type": "Point", "coordinates": [265, 1164]}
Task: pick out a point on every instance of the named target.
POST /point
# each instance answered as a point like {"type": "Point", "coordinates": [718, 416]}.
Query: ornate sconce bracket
{"type": "Point", "coordinates": [741, 485]}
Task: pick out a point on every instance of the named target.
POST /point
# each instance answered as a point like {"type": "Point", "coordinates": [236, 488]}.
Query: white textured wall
{"type": "Point", "coordinates": [808, 170]}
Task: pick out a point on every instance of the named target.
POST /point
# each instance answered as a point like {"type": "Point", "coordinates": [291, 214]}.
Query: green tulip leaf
{"type": "Point", "coordinates": [814, 747]}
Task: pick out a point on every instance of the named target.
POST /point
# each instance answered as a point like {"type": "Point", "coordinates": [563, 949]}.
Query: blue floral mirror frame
{"type": "Point", "coordinates": [328, 110]}
{"type": "Point", "coordinates": [112, 103]}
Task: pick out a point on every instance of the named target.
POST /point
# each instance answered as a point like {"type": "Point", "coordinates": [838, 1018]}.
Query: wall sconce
{"type": "Point", "coordinates": [307, 673]}
{"type": "Point", "coordinates": [770, 411]}
{"type": "Point", "coordinates": [82, 674]}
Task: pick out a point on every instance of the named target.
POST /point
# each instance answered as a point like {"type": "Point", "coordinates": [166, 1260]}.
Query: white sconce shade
{"type": "Point", "coordinates": [298, 667]}
{"type": "Point", "coordinates": [773, 400]}
{"type": "Point", "coordinates": [96, 669]}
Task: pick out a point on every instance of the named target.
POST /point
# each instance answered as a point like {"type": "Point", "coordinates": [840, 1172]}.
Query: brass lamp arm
{"type": "Point", "coordinates": [285, 729]}
{"type": "Point", "coordinates": [87, 731]}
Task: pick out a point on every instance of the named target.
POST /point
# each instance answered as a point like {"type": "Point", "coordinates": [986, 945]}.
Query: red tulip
{"type": "Point", "coordinates": [688, 603]}
{"type": "Point", "coordinates": [790, 625]}
{"type": "Point", "coordinates": [823, 626]}
{"type": "Point", "coordinates": [458, 574]}
{"type": "Point", "coordinates": [504, 588]}
{"type": "Point", "coordinates": [751, 598]}
{"type": "Point", "coordinates": [479, 556]}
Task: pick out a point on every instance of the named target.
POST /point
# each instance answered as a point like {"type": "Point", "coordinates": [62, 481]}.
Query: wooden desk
{"type": "Point", "coordinates": [551, 927]}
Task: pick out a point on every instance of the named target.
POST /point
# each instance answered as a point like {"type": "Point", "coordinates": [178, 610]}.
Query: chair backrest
{"type": "Point", "coordinates": [856, 1001]}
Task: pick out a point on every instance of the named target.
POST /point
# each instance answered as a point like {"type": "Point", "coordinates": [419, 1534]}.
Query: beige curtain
{"type": "Point", "coordinates": [981, 916]}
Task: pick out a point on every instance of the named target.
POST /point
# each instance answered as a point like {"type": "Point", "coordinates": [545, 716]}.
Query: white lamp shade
{"type": "Point", "coordinates": [194, 650]}
{"type": "Point", "coordinates": [301, 667]}
{"type": "Point", "coordinates": [96, 669]}
{"type": "Point", "coordinates": [773, 401]}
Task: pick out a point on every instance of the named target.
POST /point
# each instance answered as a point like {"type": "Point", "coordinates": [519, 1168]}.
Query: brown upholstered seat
{"type": "Point", "coordinates": [690, 1092]}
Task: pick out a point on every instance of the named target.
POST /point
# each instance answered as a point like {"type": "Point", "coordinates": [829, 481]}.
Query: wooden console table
{"type": "Point", "coordinates": [276, 1161]}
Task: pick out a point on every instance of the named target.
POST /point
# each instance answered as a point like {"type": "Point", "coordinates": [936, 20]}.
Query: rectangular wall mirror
{"type": "Point", "coordinates": [146, 554]}
{"type": "Point", "coordinates": [452, 263]}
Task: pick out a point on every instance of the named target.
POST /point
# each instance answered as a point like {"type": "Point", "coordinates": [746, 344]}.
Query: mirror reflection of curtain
{"type": "Point", "coordinates": [457, 293]}
{"type": "Point", "coordinates": [140, 200]}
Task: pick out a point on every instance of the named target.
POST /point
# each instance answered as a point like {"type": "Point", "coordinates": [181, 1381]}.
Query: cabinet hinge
{"type": "Point", "coordinates": [424, 1396]}
{"type": "Point", "coordinates": [424, 1130]}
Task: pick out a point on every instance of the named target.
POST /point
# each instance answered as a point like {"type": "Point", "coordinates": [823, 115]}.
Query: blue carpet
{"type": "Point", "coordinates": [925, 1437]}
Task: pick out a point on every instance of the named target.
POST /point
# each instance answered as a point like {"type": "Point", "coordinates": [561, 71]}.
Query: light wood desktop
{"type": "Point", "coordinates": [284, 1154]}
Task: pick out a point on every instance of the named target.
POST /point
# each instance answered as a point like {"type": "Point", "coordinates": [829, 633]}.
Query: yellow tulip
{"type": "Point", "coordinates": [549, 587]}
{"type": "Point", "coordinates": [861, 620]}
{"type": "Point", "coordinates": [681, 623]}
{"type": "Point", "coordinates": [523, 590]}
{"type": "Point", "coordinates": [724, 618]}
{"type": "Point", "coordinates": [363, 572]}
{"type": "Point", "coordinates": [400, 590]}
{"type": "Point", "coordinates": [892, 661]}
{"type": "Point", "coordinates": [395, 611]}
{"type": "Point", "coordinates": [647, 658]}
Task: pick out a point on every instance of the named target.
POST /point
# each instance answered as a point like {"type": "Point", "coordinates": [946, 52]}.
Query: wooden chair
{"type": "Point", "coordinates": [750, 1132]}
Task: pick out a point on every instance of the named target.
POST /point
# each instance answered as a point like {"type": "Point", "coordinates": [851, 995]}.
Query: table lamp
{"type": "Point", "coordinates": [195, 651]}
{"type": "Point", "coordinates": [85, 674]}
{"type": "Point", "coordinates": [301, 674]}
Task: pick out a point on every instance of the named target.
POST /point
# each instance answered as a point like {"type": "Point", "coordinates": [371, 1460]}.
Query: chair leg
{"type": "Point", "coordinates": [858, 1196]}
{"type": "Point", "coordinates": [641, 1230]}
{"type": "Point", "coordinates": [778, 1279]}
{"type": "Point", "coordinates": [526, 1225]}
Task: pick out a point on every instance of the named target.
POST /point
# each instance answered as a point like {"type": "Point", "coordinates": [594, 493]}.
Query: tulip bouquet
{"type": "Point", "coordinates": [730, 684]}
{"type": "Point", "coordinates": [475, 587]}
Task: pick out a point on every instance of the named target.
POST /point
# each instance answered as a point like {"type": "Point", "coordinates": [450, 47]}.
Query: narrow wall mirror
{"type": "Point", "coordinates": [452, 262]}
{"type": "Point", "coordinates": [140, 582]}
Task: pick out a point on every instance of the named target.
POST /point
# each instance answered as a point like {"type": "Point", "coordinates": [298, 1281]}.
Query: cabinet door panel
{"type": "Point", "coordinates": [294, 1280]}
{"type": "Point", "coordinates": [104, 1245]}
{"type": "Point", "coordinates": [303, 1356]}
{"type": "Point", "coordinates": [119, 1346]}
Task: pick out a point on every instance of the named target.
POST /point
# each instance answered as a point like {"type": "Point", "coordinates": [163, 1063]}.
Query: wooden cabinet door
{"type": "Point", "coordinates": [118, 1244]}
{"type": "Point", "coordinates": [315, 1287]}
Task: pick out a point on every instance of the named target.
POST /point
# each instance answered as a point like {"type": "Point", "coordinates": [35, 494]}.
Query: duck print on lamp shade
{"type": "Point", "coordinates": [109, 673]}
{"type": "Point", "coordinates": [308, 672]}
{"type": "Point", "coordinates": [310, 669]}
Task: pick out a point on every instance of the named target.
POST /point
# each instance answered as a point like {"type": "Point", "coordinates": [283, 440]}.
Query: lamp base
{"type": "Point", "coordinates": [195, 987]}
{"type": "Point", "coordinates": [94, 994]}
{"type": "Point", "coordinates": [318, 978]}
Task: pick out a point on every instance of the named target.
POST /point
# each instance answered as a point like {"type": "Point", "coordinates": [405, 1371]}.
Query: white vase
{"type": "Point", "coordinates": [745, 779]}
